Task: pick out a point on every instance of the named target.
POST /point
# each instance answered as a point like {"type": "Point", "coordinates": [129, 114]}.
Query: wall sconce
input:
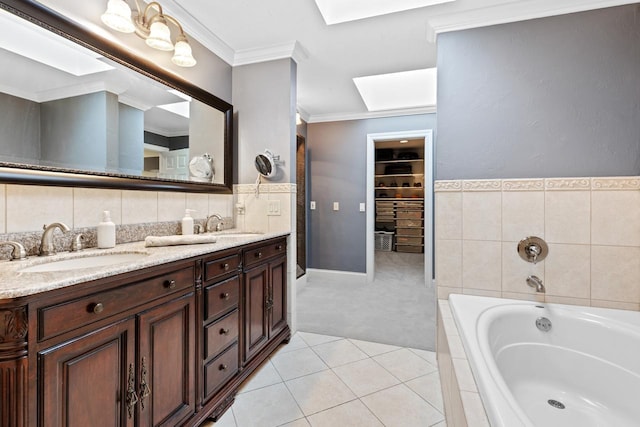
{"type": "Point", "coordinates": [151, 25]}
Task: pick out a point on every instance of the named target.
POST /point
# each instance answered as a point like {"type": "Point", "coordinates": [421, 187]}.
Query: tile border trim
{"type": "Point", "coordinates": [614, 183]}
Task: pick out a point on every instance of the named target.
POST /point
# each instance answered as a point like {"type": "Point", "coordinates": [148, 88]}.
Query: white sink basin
{"type": "Point", "coordinates": [93, 261]}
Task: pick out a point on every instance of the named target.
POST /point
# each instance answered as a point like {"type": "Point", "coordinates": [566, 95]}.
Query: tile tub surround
{"type": "Point", "coordinates": [462, 403]}
{"type": "Point", "coordinates": [592, 227]}
{"type": "Point", "coordinates": [322, 380]}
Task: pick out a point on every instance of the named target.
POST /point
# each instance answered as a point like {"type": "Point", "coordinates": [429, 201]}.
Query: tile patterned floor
{"type": "Point", "coordinates": [320, 380]}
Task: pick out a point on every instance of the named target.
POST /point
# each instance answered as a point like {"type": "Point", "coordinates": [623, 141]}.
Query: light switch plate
{"type": "Point", "coordinates": [336, 206]}
{"type": "Point", "coordinates": [312, 205]}
{"type": "Point", "coordinates": [361, 207]}
{"type": "Point", "coordinates": [274, 208]}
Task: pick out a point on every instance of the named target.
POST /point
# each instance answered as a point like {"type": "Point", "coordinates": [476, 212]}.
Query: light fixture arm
{"type": "Point", "coordinates": [152, 12]}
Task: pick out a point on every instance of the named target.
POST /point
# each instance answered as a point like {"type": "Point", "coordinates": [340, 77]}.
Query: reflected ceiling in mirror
{"type": "Point", "coordinates": [67, 108]}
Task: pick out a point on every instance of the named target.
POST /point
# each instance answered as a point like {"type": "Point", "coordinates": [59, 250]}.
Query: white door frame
{"type": "Point", "coordinates": [427, 134]}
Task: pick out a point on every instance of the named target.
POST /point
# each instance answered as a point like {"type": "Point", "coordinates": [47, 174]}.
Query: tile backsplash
{"type": "Point", "coordinates": [592, 227]}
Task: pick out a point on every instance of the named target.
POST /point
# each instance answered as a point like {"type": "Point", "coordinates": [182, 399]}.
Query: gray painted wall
{"type": "Point", "coordinates": [85, 143]}
{"type": "Point", "coordinates": [264, 99]}
{"type": "Point", "coordinates": [550, 97]}
{"type": "Point", "coordinates": [23, 141]}
{"type": "Point", "coordinates": [337, 155]}
{"type": "Point", "coordinates": [131, 152]}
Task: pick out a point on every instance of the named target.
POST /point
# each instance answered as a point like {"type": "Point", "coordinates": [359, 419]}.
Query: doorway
{"type": "Point", "coordinates": [399, 200]}
{"type": "Point", "coordinates": [301, 204]}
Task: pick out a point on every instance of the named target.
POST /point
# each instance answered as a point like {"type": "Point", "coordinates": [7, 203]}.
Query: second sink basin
{"type": "Point", "coordinates": [93, 261]}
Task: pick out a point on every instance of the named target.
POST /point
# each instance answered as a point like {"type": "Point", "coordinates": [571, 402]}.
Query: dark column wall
{"type": "Point", "coordinates": [19, 129]}
{"type": "Point", "coordinates": [550, 97]}
{"type": "Point", "coordinates": [337, 166]}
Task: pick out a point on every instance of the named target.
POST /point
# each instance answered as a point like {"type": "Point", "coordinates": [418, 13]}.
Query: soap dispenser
{"type": "Point", "coordinates": [187, 222]}
{"type": "Point", "coordinates": [106, 232]}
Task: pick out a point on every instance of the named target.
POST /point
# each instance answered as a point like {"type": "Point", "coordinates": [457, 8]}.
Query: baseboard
{"type": "Point", "coordinates": [319, 274]}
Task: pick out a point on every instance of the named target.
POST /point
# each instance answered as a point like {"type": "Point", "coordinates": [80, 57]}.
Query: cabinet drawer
{"type": "Point", "coordinates": [405, 240]}
{"type": "Point", "coordinates": [258, 254]}
{"type": "Point", "coordinates": [221, 297]}
{"type": "Point", "coordinates": [59, 318]}
{"type": "Point", "coordinates": [408, 223]}
{"type": "Point", "coordinates": [220, 370]}
{"type": "Point", "coordinates": [220, 334]}
{"type": "Point", "coordinates": [409, 232]}
{"type": "Point", "coordinates": [219, 267]}
{"type": "Point", "coordinates": [409, 214]}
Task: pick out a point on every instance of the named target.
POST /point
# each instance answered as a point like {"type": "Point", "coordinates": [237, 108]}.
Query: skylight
{"type": "Point", "coordinates": [38, 44]}
{"type": "Point", "coordinates": [179, 108]}
{"type": "Point", "coordinates": [337, 11]}
{"type": "Point", "coordinates": [407, 89]}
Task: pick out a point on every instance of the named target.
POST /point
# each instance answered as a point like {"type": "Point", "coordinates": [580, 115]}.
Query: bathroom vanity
{"type": "Point", "coordinates": [163, 342]}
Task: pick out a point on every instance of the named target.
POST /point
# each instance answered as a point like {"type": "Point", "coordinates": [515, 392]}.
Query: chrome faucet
{"type": "Point", "coordinates": [46, 246]}
{"type": "Point", "coordinates": [536, 282]}
{"type": "Point", "coordinates": [18, 251]}
{"type": "Point", "coordinates": [207, 226]}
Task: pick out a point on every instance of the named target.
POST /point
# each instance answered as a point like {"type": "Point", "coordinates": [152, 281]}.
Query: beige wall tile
{"type": "Point", "coordinates": [448, 211]}
{"type": "Point", "coordinates": [615, 304]}
{"type": "Point", "coordinates": [523, 297]}
{"type": "Point", "coordinates": [449, 263]}
{"type": "Point", "coordinates": [139, 206]}
{"type": "Point", "coordinates": [567, 270]}
{"type": "Point", "coordinates": [29, 207]}
{"type": "Point", "coordinates": [3, 208]}
{"type": "Point", "coordinates": [481, 265]}
{"type": "Point", "coordinates": [474, 409]}
{"type": "Point", "coordinates": [222, 204]}
{"type": "Point", "coordinates": [482, 293]}
{"type": "Point", "coordinates": [515, 270]}
{"type": "Point", "coordinates": [282, 222]}
{"type": "Point", "coordinates": [522, 214]}
{"type": "Point", "coordinates": [90, 203]}
{"type": "Point", "coordinates": [255, 213]}
{"type": "Point", "coordinates": [567, 300]}
{"type": "Point", "coordinates": [482, 215]}
{"type": "Point", "coordinates": [171, 206]}
{"type": "Point", "coordinates": [567, 217]}
{"type": "Point", "coordinates": [199, 202]}
{"type": "Point", "coordinates": [614, 273]}
{"type": "Point", "coordinates": [615, 218]}
{"type": "Point", "coordinates": [444, 292]}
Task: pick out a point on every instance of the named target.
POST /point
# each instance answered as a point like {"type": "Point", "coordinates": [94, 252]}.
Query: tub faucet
{"type": "Point", "coordinates": [536, 282]}
{"type": "Point", "coordinates": [218, 226]}
{"type": "Point", "coordinates": [46, 246]}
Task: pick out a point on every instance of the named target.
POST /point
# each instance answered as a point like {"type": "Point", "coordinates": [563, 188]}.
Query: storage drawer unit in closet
{"type": "Point", "coordinates": [409, 226]}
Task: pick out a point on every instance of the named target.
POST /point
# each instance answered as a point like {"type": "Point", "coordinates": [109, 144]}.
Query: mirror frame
{"type": "Point", "coordinates": [36, 175]}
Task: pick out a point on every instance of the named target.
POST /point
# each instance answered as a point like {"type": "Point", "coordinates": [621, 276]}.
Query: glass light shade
{"type": "Point", "coordinates": [160, 36]}
{"type": "Point", "coordinates": [118, 16]}
{"type": "Point", "coordinates": [183, 56]}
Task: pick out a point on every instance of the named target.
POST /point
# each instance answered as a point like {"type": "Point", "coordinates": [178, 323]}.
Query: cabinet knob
{"type": "Point", "coordinates": [258, 254]}
{"type": "Point", "coordinates": [222, 367]}
{"type": "Point", "coordinates": [278, 247]}
{"type": "Point", "coordinates": [224, 295]}
{"type": "Point", "coordinates": [170, 284]}
{"type": "Point", "coordinates": [224, 331]}
{"type": "Point", "coordinates": [96, 308]}
{"type": "Point", "coordinates": [225, 266]}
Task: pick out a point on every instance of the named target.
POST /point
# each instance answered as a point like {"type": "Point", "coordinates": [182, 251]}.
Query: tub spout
{"type": "Point", "coordinates": [535, 282]}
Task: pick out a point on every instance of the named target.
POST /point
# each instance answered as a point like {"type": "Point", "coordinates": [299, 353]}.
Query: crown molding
{"type": "Point", "coordinates": [511, 12]}
{"type": "Point", "coordinates": [193, 27]}
{"type": "Point", "coordinates": [319, 118]}
{"type": "Point", "coordinates": [304, 115]}
{"type": "Point", "coordinates": [292, 49]}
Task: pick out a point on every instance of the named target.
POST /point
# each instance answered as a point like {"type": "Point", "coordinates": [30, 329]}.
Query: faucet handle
{"type": "Point", "coordinates": [77, 244]}
{"type": "Point", "coordinates": [17, 251]}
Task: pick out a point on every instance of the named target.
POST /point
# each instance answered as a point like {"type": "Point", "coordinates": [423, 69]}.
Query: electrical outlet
{"type": "Point", "coordinates": [273, 208]}
{"type": "Point", "coordinates": [361, 207]}
{"type": "Point", "coordinates": [312, 205]}
{"type": "Point", "coordinates": [336, 206]}
{"type": "Point", "coordinates": [240, 208]}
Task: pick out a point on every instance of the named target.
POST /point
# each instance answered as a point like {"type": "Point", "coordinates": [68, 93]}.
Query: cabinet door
{"type": "Point", "coordinates": [90, 381]}
{"type": "Point", "coordinates": [256, 283]}
{"type": "Point", "coordinates": [277, 296]}
{"type": "Point", "coordinates": [166, 363]}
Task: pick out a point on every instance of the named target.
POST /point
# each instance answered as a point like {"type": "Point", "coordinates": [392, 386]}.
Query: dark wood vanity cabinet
{"type": "Point", "coordinates": [163, 346]}
{"type": "Point", "coordinates": [265, 290]}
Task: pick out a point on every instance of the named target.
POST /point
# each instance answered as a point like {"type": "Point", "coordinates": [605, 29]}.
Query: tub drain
{"type": "Point", "coordinates": [555, 404]}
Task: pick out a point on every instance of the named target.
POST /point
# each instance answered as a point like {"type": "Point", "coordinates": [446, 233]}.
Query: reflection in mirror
{"type": "Point", "coordinates": [66, 107]}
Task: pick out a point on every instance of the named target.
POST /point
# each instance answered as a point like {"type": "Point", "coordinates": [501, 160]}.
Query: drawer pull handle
{"type": "Point", "coordinates": [224, 331]}
{"type": "Point", "coordinates": [97, 308]}
{"type": "Point", "coordinates": [258, 254]}
{"type": "Point", "coordinates": [132, 397]}
{"type": "Point", "coordinates": [278, 247]}
{"type": "Point", "coordinates": [225, 266]}
{"type": "Point", "coordinates": [222, 367]}
{"type": "Point", "coordinates": [170, 284]}
{"type": "Point", "coordinates": [224, 295]}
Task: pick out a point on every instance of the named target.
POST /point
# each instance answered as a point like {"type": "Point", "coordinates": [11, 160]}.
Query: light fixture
{"type": "Point", "coordinates": [404, 141]}
{"type": "Point", "coordinates": [151, 24]}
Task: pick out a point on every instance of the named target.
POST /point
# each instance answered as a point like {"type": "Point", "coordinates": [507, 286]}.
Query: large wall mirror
{"type": "Point", "coordinates": [77, 110]}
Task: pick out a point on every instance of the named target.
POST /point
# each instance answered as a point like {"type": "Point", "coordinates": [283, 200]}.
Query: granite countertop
{"type": "Point", "coordinates": [15, 284]}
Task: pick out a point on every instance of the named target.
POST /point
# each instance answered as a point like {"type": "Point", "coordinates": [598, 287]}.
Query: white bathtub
{"type": "Point", "coordinates": [589, 361]}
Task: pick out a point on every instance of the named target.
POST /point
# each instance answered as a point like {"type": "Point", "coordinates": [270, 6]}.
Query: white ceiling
{"type": "Point", "coordinates": [329, 57]}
